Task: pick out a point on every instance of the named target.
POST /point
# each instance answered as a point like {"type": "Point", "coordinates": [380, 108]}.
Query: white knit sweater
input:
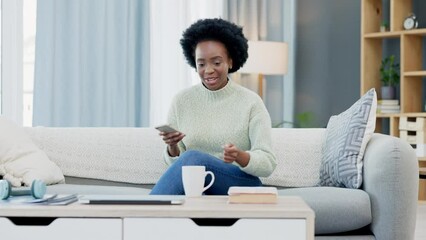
{"type": "Point", "coordinates": [233, 114]}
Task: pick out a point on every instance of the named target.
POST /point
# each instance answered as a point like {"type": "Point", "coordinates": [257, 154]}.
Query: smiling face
{"type": "Point", "coordinates": [213, 63]}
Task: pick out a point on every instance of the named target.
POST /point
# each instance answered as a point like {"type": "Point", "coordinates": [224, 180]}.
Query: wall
{"type": "Point", "coordinates": [327, 57]}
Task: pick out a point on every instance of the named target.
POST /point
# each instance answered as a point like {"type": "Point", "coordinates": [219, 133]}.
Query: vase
{"type": "Point", "coordinates": [388, 92]}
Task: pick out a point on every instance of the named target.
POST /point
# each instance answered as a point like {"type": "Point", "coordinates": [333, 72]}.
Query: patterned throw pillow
{"type": "Point", "coordinates": [346, 139]}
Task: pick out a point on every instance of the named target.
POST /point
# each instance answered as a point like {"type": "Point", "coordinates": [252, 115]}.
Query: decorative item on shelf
{"type": "Point", "coordinates": [389, 75]}
{"type": "Point", "coordinates": [410, 22]}
{"type": "Point", "coordinates": [384, 26]}
{"type": "Point", "coordinates": [266, 58]}
{"type": "Point", "coordinates": [413, 130]}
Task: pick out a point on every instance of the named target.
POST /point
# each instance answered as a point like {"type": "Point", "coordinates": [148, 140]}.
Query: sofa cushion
{"type": "Point", "coordinates": [134, 155]}
{"type": "Point", "coordinates": [21, 161]}
{"type": "Point", "coordinates": [100, 182]}
{"type": "Point", "coordinates": [346, 139]}
{"type": "Point", "coordinates": [336, 209]}
{"type": "Point", "coordinates": [131, 155]}
{"type": "Point", "coordinates": [298, 153]}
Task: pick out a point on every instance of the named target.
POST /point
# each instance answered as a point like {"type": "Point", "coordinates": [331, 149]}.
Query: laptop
{"type": "Point", "coordinates": [132, 199]}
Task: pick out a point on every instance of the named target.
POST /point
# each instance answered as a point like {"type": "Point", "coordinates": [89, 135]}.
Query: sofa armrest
{"type": "Point", "coordinates": [391, 180]}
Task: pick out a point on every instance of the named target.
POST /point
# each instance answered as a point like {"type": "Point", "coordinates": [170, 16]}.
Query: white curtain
{"type": "Point", "coordinates": [169, 71]}
{"type": "Point", "coordinates": [91, 64]}
{"type": "Point", "coordinates": [267, 20]}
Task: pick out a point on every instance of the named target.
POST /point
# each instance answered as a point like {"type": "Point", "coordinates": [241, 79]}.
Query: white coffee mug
{"type": "Point", "coordinates": [193, 178]}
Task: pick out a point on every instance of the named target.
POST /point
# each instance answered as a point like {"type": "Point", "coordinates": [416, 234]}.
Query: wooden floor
{"type": "Point", "coordinates": [421, 221]}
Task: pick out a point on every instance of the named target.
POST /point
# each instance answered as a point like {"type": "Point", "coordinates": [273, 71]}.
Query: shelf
{"type": "Point", "coordinates": [415, 74]}
{"type": "Point", "coordinates": [422, 159]}
{"type": "Point", "coordinates": [389, 115]}
{"type": "Point", "coordinates": [396, 34]}
{"type": "Point", "coordinates": [409, 45]}
{"type": "Point", "coordinates": [417, 114]}
{"type": "Point", "coordinates": [383, 35]}
{"type": "Point", "coordinates": [419, 32]}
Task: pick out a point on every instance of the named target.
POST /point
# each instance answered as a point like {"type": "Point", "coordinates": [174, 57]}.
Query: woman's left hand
{"type": "Point", "coordinates": [233, 154]}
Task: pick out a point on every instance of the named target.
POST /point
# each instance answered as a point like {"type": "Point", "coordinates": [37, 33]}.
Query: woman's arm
{"type": "Point", "coordinates": [262, 160]}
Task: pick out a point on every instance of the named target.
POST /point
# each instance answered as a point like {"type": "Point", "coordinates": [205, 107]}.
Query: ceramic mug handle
{"type": "Point", "coordinates": [211, 182]}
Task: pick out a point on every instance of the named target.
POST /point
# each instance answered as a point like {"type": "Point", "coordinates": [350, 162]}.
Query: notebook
{"type": "Point", "coordinates": [132, 199]}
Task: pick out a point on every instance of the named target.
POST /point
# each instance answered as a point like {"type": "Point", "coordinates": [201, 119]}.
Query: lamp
{"type": "Point", "coordinates": [266, 58]}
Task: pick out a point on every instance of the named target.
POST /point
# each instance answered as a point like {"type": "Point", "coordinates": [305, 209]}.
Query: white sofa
{"type": "Point", "coordinates": [129, 161]}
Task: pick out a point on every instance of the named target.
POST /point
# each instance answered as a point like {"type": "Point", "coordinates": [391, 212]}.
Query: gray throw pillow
{"type": "Point", "coordinates": [347, 136]}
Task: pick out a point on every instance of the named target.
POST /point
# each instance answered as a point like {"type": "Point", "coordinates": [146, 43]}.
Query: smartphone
{"type": "Point", "coordinates": [166, 129]}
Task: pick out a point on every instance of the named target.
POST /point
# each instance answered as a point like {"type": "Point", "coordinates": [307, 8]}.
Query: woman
{"type": "Point", "coordinates": [222, 126]}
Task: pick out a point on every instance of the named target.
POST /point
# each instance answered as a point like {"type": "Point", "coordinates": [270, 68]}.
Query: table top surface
{"type": "Point", "coordinates": [199, 207]}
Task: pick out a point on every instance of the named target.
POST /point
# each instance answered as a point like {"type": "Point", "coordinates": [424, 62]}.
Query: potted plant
{"type": "Point", "coordinates": [389, 75]}
{"type": "Point", "coordinates": [303, 120]}
{"type": "Point", "coordinates": [384, 26]}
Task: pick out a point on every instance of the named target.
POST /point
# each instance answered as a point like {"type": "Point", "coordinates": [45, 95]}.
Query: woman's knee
{"type": "Point", "coordinates": [193, 157]}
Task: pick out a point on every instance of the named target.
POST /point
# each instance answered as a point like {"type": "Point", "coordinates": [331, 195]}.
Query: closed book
{"type": "Point", "coordinates": [388, 111]}
{"type": "Point", "coordinates": [252, 195]}
{"type": "Point", "coordinates": [388, 107]}
{"type": "Point", "coordinates": [388, 102]}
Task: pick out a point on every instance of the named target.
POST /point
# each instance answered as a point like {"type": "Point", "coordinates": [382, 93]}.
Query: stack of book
{"type": "Point", "coordinates": [55, 199]}
{"type": "Point", "coordinates": [48, 199]}
{"type": "Point", "coordinates": [388, 106]}
{"type": "Point", "coordinates": [252, 195]}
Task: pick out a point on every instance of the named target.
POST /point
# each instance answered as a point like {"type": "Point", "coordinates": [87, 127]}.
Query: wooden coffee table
{"type": "Point", "coordinates": [207, 217]}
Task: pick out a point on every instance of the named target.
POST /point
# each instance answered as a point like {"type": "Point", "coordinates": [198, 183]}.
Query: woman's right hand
{"type": "Point", "coordinates": [172, 139]}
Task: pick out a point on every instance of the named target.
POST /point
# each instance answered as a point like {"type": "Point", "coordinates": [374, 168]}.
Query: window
{"type": "Point", "coordinates": [17, 31]}
{"type": "Point", "coordinates": [29, 33]}
{"type": "Point", "coordinates": [1, 95]}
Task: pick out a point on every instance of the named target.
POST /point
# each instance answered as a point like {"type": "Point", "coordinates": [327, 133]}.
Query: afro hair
{"type": "Point", "coordinates": [219, 30]}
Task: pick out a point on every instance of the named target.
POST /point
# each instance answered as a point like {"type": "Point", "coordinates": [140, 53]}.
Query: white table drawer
{"type": "Point", "coordinates": [184, 228]}
{"type": "Point", "coordinates": [62, 228]}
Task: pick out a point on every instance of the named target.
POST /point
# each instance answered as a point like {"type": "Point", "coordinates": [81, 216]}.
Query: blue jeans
{"type": "Point", "coordinates": [226, 175]}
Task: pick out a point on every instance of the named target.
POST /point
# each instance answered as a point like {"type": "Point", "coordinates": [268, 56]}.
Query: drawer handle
{"type": "Point", "coordinates": [32, 221]}
{"type": "Point", "coordinates": [215, 222]}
